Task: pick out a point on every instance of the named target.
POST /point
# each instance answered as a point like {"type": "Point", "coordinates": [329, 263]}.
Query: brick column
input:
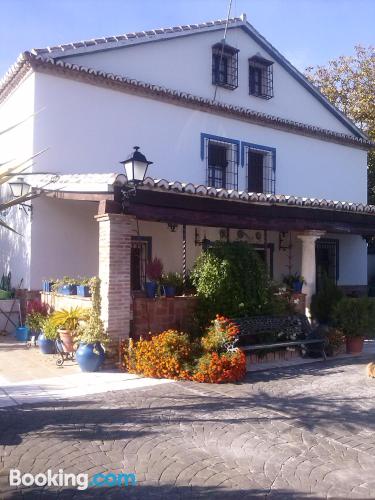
{"type": "Point", "coordinates": [115, 233]}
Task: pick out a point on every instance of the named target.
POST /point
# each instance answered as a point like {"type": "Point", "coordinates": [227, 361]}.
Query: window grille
{"type": "Point", "coordinates": [225, 66]}
{"type": "Point", "coordinates": [140, 255]}
{"type": "Point", "coordinates": [260, 77]}
{"type": "Point", "coordinates": [260, 170]}
{"type": "Point", "coordinates": [222, 164]}
{"type": "Point", "coordinates": [327, 260]}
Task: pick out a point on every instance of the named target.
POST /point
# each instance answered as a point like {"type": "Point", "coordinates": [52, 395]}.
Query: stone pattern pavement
{"type": "Point", "coordinates": [293, 433]}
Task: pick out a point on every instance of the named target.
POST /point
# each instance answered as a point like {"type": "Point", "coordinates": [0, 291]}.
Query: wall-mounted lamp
{"type": "Point", "coordinates": [204, 243]}
{"type": "Point", "coordinates": [135, 168]}
{"type": "Point", "coordinates": [20, 188]}
{"type": "Point", "coordinates": [172, 227]}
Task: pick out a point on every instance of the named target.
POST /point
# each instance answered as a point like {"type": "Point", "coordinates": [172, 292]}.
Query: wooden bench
{"type": "Point", "coordinates": [295, 329]}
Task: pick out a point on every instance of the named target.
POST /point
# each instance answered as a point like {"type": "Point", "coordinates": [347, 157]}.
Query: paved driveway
{"type": "Point", "coordinates": [293, 433]}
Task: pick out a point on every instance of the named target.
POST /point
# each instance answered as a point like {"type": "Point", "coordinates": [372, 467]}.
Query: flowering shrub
{"type": "Point", "coordinates": [222, 335]}
{"type": "Point", "coordinates": [172, 355]}
{"type": "Point", "coordinates": [164, 356]}
{"type": "Point", "coordinates": [36, 313]}
{"type": "Point", "coordinates": [36, 306]}
{"type": "Point", "coordinates": [217, 368]}
{"type": "Point", "coordinates": [154, 269]}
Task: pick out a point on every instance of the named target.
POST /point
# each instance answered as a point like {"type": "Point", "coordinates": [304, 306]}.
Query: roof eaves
{"type": "Point", "coordinates": [128, 39]}
{"type": "Point", "coordinates": [257, 198]}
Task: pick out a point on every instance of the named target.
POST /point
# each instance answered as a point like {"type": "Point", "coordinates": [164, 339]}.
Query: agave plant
{"type": "Point", "coordinates": [10, 169]}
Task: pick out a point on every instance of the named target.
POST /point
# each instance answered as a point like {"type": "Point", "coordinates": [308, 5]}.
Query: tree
{"type": "Point", "coordinates": [349, 83]}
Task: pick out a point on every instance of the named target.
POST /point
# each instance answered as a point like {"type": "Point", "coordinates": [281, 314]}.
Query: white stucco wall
{"type": "Point", "coordinates": [90, 129]}
{"type": "Point", "coordinates": [185, 64]}
{"type": "Point", "coordinates": [352, 259]}
{"type": "Point", "coordinates": [17, 145]}
{"type": "Point", "coordinates": [65, 240]}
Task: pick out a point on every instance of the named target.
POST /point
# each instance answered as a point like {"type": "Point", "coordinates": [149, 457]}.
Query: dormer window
{"type": "Point", "coordinates": [225, 66]}
{"type": "Point", "coordinates": [260, 77]}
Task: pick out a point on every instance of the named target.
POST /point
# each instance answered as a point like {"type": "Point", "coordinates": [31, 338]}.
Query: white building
{"type": "Point", "coordinates": [234, 116]}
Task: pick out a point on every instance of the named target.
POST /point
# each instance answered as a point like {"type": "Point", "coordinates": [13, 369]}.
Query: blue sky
{"type": "Point", "coordinates": [307, 32]}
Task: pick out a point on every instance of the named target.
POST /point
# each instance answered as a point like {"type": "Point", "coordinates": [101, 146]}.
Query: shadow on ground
{"type": "Point", "coordinates": [133, 413]}
{"type": "Point", "coordinates": [165, 492]}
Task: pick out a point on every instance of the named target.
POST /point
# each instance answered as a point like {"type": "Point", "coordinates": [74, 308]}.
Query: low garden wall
{"type": "Point", "coordinates": [57, 301]}
{"type": "Point", "coordinates": [163, 313]}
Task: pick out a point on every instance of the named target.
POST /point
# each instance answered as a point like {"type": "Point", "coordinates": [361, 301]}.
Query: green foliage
{"type": "Point", "coordinates": [348, 82]}
{"type": "Point", "coordinates": [34, 321]}
{"type": "Point", "coordinates": [49, 328]}
{"type": "Point", "coordinates": [290, 279]}
{"type": "Point", "coordinates": [173, 279]}
{"type": "Point", "coordinates": [324, 302]}
{"type": "Point", "coordinates": [92, 330]}
{"type": "Point", "coordinates": [68, 319]}
{"type": "Point", "coordinates": [356, 317]}
{"type": "Point", "coordinates": [231, 280]}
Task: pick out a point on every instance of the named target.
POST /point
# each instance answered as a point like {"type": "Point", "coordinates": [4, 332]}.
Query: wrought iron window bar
{"type": "Point", "coordinates": [269, 173]}
{"type": "Point", "coordinates": [225, 66]}
{"type": "Point", "coordinates": [260, 77]}
{"type": "Point", "coordinates": [222, 164]}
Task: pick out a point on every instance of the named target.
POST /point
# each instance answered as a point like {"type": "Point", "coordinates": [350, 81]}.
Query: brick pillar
{"type": "Point", "coordinates": [115, 233]}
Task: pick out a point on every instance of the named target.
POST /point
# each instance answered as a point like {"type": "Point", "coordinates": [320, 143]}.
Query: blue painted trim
{"type": "Point", "coordinates": [302, 80]}
{"type": "Point", "coordinates": [219, 138]}
{"type": "Point", "coordinates": [257, 146]}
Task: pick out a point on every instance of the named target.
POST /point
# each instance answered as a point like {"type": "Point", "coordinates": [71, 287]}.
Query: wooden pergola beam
{"type": "Point", "coordinates": [159, 206]}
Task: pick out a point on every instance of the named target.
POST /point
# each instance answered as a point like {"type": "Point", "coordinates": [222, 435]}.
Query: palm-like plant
{"type": "Point", "coordinates": [8, 170]}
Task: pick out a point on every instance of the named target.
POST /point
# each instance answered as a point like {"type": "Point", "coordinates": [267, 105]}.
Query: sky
{"type": "Point", "coordinates": [307, 32]}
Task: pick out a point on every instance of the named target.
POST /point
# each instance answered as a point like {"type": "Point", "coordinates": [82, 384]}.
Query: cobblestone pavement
{"type": "Point", "coordinates": [293, 433]}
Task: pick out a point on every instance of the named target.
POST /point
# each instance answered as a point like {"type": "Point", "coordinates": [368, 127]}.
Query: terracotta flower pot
{"type": "Point", "coordinates": [354, 345]}
{"type": "Point", "coordinates": [66, 338]}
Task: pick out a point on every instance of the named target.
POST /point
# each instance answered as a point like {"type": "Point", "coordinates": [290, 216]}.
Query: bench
{"type": "Point", "coordinates": [282, 331]}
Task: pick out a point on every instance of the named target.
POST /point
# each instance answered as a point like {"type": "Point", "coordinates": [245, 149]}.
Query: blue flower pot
{"type": "Point", "coordinates": [67, 290]}
{"type": "Point", "coordinates": [46, 346]}
{"type": "Point", "coordinates": [170, 291]}
{"type": "Point", "coordinates": [150, 288]}
{"type": "Point", "coordinates": [90, 357]}
{"type": "Point", "coordinates": [83, 291]}
{"type": "Point", "coordinates": [297, 286]}
{"type": "Point", "coordinates": [22, 333]}
{"type": "Point", "coordinates": [47, 286]}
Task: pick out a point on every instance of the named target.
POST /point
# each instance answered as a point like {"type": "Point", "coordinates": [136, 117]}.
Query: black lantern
{"type": "Point", "coordinates": [19, 187]}
{"type": "Point", "coordinates": [136, 167]}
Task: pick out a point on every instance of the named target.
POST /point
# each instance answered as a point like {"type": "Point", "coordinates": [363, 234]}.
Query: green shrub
{"type": "Point", "coordinates": [49, 328]}
{"type": "Point", "coordinates": [356, 317]}
{"type": "Point", "coordinates": [231, 280]}
{"type": "Point", "coordinates": [324, 302]}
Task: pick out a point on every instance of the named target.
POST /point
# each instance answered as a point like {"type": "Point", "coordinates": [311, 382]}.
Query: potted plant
{"type": "Point", "coordinates": [67, 321]}
{"type": "Point", "coordinates": [294, 282]}
{"type": "Point", "coordinates": [172, 283]}
{"type": "Point", "coordinates": [84, 288]}
{"type": "Point", "coordinates": [91, 335]}
{"type": "Point", "coordinates": [36, 312]}
{"type": "Point", "coordinates": [154, 271]}
{"type": "Point", "coordinates": [356, 318]}
{"type": "Point", "coordinates": [48, 336]}
{"type": "Point", "coordinates": [65, 286]}
{"type": "Point", "coordinates": [335, 341]}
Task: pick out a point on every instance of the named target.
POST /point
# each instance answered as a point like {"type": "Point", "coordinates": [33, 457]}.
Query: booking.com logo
{"type": "Point", "coordinates": [79, 481]}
